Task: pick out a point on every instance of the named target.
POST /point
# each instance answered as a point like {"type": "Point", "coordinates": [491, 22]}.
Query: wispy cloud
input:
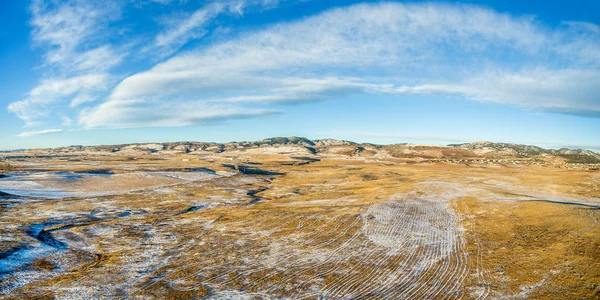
{"type": "Point", "coordinates": [190, 28]}
{"type": "Point", "coordinates": [41, 99]}
{"type": "Point", "coordinates": [196, 25]}
{"type": "Point", "coordinates": [387, 48]}
{"type": "Point", "coordinates": [149, 113]}
{"type": "Point", "coordinates": [77, 57]}
{"type": "Point", "coordinates": [71, 32]}
{"type": "Point", "coordinates": [41, 132]}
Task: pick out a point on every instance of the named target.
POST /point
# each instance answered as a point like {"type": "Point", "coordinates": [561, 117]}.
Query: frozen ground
{"type": "Point", "coordinates": [82, 184]}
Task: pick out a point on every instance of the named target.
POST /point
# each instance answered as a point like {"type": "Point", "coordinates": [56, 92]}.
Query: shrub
{"type": "Point", "coordinates": [5, 167]}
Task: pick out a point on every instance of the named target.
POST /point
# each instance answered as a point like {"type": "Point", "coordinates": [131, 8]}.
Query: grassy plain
{"type": "Point", "coordinates": [335, 227]}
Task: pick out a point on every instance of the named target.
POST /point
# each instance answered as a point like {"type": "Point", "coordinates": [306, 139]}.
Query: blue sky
{"type": "Point", "coordinates": [101, 72]}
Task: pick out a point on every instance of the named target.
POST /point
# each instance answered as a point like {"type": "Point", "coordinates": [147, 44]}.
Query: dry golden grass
{"type": "Point", "coordinates": [305, 233]}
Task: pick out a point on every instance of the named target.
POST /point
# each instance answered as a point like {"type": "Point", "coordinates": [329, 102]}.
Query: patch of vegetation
{"type": "Point", "coordinates": [44, 264]}
{"type": "Point", "coordinates": [5, 167]}
{"type": "Point", "coordinates": [580, 159]}
{"type": "Point", "coordinates": [294, 140]}
{"type": "Point", "coordinates": [368, 177]}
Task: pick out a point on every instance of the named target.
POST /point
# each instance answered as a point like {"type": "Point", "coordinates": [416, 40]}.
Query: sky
{"type": "Point", "coordinates": [84, 72]}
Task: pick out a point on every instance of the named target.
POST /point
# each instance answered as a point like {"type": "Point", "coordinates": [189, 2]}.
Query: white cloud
{"type": "Point", "coordinates": [385, 48]}
{"type": "Point", "coordinates": [584, 26]}
{"type": "Point", "coordinates": [189, 28]}
{"type": "Point", "coordinates": [41, 132]}
{"type": "Point", "coordinates": [380, 48]}
{"type": "Point", "coordinates": [41, 99]}
{"type": "Point", "coordinates": [64, 87]}
{"type": "Point", "coordinates": [161, 1]}
{"type": "Point", "coordinates": [78, 57]}
{"type": "Point", "coordinates": [573, 91]}
{"type": "Point", "coordinates": [96, 60]}
{"type": "Point", "coordinates": [72, 30]}
{"type": "Point", "coordinates": [147, 113]}
{"type": "Point", "coordinates": [195, 26]}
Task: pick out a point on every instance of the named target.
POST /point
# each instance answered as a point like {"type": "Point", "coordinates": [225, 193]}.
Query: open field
{"type": "Point", "coordinates": [286, 222]}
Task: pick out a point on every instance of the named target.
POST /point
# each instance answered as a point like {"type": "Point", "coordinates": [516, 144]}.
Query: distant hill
{"type": "Point", "coordinates": [301, 146]}
{"type": "Point", "coordinates": [570, 155]}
